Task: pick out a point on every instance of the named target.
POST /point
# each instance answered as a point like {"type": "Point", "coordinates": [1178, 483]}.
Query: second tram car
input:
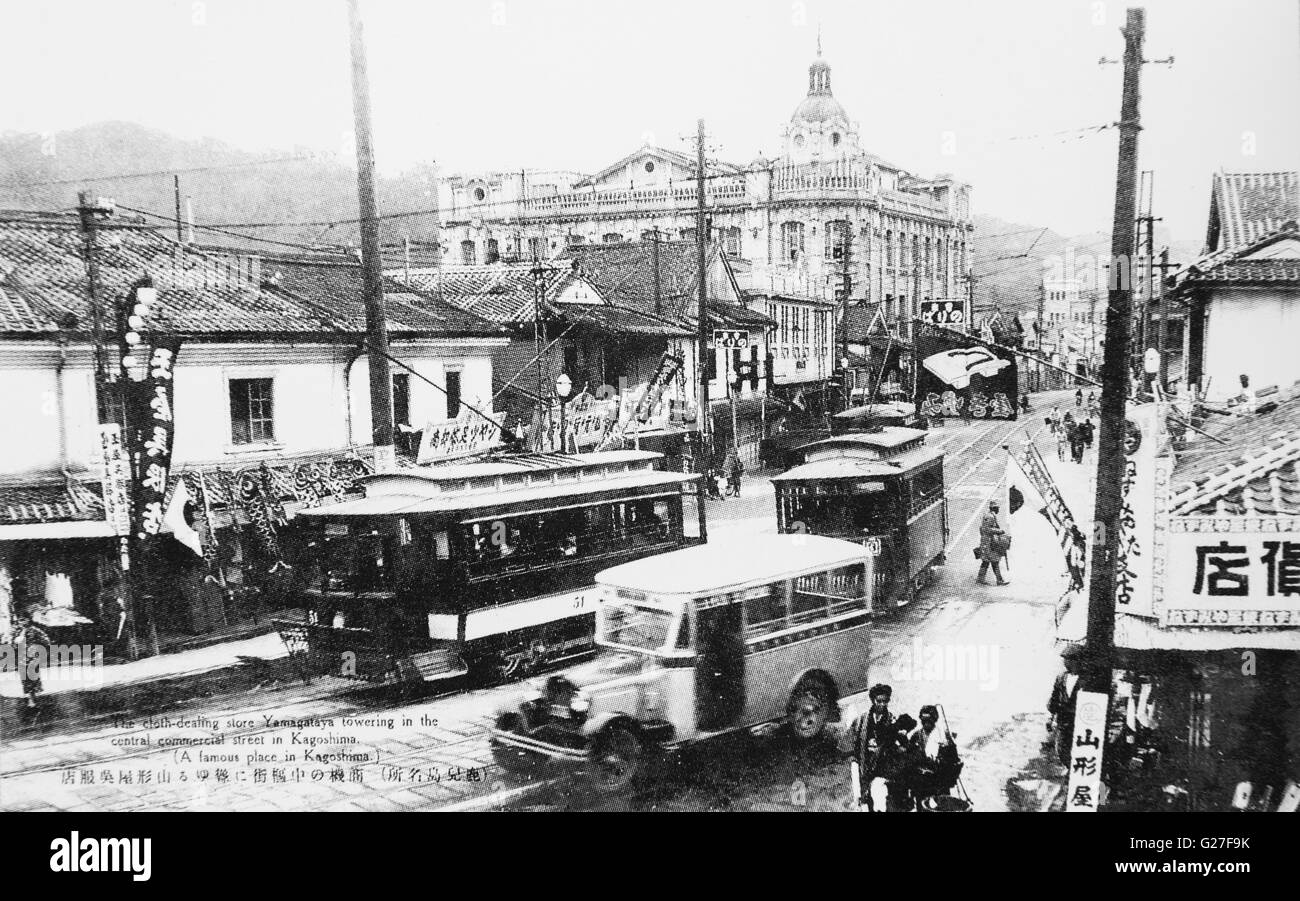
{"type": "Point", "coordinates": [881, 489]}
{"type": "Point", "coordinates": [485, 568]}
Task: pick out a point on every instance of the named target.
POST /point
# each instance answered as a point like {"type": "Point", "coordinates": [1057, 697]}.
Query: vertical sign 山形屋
{"type": "Point", "coordinates": [1086, 748]}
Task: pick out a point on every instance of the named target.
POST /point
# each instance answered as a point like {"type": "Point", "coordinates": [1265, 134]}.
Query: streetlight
{"type": "Point", "coordinates": [563, 387]}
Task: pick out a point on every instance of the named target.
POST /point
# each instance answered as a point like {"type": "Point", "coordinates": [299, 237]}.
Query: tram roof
{"type": "Point", "coordinates": [732, 563]}
{"type": "Point", "coordinates": [882, 408]}
{"type": "Point", "coordinates": [517, 465]}
{"type": "Point", "coordinates": [888, 438]}
{"type": "Point", "coordinates": [532, 498]}
{"type": "Point", "coordinates": [850, 467]}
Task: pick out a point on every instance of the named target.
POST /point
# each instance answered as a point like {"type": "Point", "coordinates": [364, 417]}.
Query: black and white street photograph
{"type": "Point", "coordinates": [561, 406]}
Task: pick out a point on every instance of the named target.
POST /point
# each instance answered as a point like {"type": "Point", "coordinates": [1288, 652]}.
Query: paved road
{"type": "Point", "coordinates": [233, 752]}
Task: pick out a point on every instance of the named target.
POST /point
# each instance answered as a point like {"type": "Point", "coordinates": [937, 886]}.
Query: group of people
{"type": "Point", "coordinates": [1073, 435]}
{"type": "Point", "coordinates": [915, 761]}
{"type": "Point", "coordinates": [727, 479]}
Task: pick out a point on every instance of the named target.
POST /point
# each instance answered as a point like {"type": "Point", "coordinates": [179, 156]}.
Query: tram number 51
{"type": "Point", "coordinates": [579, 602]}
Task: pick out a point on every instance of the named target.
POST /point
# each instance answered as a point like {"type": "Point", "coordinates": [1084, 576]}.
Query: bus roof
{"type": "Point", "coordinates": [733, 563]}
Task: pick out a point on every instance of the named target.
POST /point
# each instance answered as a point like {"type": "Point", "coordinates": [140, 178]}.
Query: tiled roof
{"type": "Point", "coordinates": [861, 317]}
{"type": "Point", "coordinates": [499, 292]}
{"type": "Point", "coordinates": [1246, 206]}
{"type": "Point", "coordinates": [338, 284]}
{"type": "Point", "coordinates": [49, 502]}
{"type": "Point", "coordinates": [1249, 271]}
{"type": "Point", "coordinates": [1256, 474]}
{"type": "Point", "coordinates": [625, 275]}
{"type": "Point", "coordinates": [43, 256]}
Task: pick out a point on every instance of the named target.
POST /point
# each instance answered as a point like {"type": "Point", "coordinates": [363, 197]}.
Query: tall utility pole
{"type": "Point", "coordinates": [702, 337]}
{"type": "Point", "coordinates": [846, 289]}
{"type": "Point", "coordinates": [88, 209]}
{"type": "Point", "coordinates": [1040, 331]}
{"type": "Point", "coordinates": [654, 264]}
{"type": "Point", "coordinates": [381, 388]}
{"type": "Point", "coordinates": [1163, 335]}
{"type": "Point", "coordinates": [1115, 372]}
{"type": "Point", "coordinates": [180, 223]}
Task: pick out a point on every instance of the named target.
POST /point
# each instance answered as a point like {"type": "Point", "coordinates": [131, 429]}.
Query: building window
{"type": "Point", "coordinates": [480, 194]}
{"type": "Point", "coordinates": [401, 398]}
{"type": "Point", "coordinates": [613, 238]}
{"type": "Point", "coordinates": [453, 394]}
{"type": "Point", "coordinates": [575, 240]}
{"type": "Point", "coordinates": [792, 241]}
{"type": "Point", "coordinates": [688, 234]}
{"type": "Point", "coordinates": [537, 248]}
{"type": "Point", "coordinates": [889, 248]}
{"type": "Point", "coordinates": [837, 240]}
{"type": "Point", "coordinates": [835, 139]}
{"type": "Point", "coordinates": [468, 256]}
{"type": "Point", "coordinates": [493, 251]}
{"type": "Point", "coordinates": [649, 166]}
{"type": "Point", "coordinates": [731, 240]}
{"type": "Point", "coordinates": [252, 411]}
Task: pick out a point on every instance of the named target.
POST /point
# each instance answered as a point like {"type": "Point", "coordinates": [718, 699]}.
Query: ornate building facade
{"type": "Point", "coordinates": [823, 209]}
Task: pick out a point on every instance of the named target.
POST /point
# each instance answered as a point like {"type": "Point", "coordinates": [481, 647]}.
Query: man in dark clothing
{"type": "Point", "coordinates": [938, 764]}
{"type": "Point", "coordinates": [991, 549]}
{"type": "Point", "coordinates": [1065, 691]}
{"type": "Point", "coordinates": [874, 741]}
{"type": "Point", "coordinates": [1078, 398]}
{"type": "Point", "coordinates": [1076, 442]}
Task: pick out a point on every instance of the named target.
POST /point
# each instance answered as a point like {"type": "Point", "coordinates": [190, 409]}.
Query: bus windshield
{"type": "Point", "coordinates": [633, 626]}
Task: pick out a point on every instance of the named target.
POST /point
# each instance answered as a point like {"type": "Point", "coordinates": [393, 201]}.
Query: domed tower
{"type": "Point", "coordinates": [819, 129]}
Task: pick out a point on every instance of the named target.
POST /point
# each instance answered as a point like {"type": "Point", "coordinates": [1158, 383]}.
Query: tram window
{"type": "Point", "coordinates": [442, 545]}
{"type": "Point", "coordinates": [684, 633]}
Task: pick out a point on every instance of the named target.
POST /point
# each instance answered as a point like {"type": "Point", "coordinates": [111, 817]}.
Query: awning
{"type": "Point", "coordinates": [52, 510]}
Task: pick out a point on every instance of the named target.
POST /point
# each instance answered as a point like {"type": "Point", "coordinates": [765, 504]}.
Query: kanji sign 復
{"type": "Point", "coordinates": [1083, 794]}
{"type": "Point", "coordinates": [730, 338]}
{"type": "Point", "coordinates": [944, 312]}
{"type": "Point", "coordinates": [1233, 578]}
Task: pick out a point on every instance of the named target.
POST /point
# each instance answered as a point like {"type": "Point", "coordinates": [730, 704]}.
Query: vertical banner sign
{"type": "Point", "coordinates": [117, 479]}
{"type": "Point", "coordinates": [1134, 543]}
{"type": "Point", "coordinates": [1084, 793]}
{"type": "Point", "coordinates": [669, 366]}
{"type": "Point", "coordinates": [151, 416]}
{"type": "Point", "coordinates": [957, 376]}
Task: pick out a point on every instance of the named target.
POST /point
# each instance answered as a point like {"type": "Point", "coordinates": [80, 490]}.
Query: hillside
{"type": "Point", "coordinates": [230, 186]}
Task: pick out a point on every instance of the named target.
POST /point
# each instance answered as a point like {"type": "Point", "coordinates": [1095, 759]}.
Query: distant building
{"type": "Point", "coordinates": [823, 209]}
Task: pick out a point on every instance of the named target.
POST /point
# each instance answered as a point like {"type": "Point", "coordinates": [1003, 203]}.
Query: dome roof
{"type": "Point", "coordinates": [818, 108]}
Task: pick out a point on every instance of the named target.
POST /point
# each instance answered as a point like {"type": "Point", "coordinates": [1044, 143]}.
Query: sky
{"type": "Point", "coordinates": [1000, 93]}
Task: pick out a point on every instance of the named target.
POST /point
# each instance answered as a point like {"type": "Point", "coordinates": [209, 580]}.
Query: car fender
{"type": "Point", "coordinates": [598, 724]}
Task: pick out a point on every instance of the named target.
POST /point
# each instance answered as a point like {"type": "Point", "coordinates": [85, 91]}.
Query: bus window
{"type": "Point", "coordinates": [684, 633]}
{"type": "Point", "coordinates": [846, 588]}
{"type": "Point", "coordinates": [765, 610]}
{"type": "Point", "coordinates": [636, 626]}
{"type": "Point", "coordinates": [809, 600]}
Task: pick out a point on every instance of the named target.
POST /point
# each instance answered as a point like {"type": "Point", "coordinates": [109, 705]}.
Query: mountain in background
{"type": "Point", "coordinates": [231, 186]}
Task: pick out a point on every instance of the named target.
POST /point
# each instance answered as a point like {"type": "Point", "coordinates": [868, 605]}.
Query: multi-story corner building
{"type": "Point", "coordinates": [824, 208]}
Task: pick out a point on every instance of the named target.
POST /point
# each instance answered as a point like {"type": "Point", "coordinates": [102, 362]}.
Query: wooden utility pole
{"type": "Point", "coordinates": [89, 208]}
{"type": "Point", "coordinates": [180, 223]}
{"type": "Point", "coordinates": [381, 388]}
{"type": "Point", "coordinates": [846, 289]}
{"type": "Point", "coordinates": [1163, 335]}
{"type": "Point", "coordinates": [1115, 372]}
{"type": "Point", "coordinates": [702, 336]}
{"type": "Point", "coordinates": [654, 264]}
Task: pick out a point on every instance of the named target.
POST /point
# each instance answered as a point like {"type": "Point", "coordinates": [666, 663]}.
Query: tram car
{"type": "Point", "coordinates": [883, 489]}
{"type": "Point", "coordinates": [482, 569]}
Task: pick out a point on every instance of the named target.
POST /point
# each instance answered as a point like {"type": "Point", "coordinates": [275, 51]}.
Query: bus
{"type": "Point", "coordinates": [481, 568]}
{"type": "Point", "coordinates": [883, 490]}
{"type": "Point", "coordinates": [698, 642]}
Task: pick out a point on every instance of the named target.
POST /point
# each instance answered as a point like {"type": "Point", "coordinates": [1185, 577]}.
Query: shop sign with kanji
{"type": "Point", "coordinates": [1233, 572]}
{"type": "Point", "coordinates": [1086, 748]}
{"type": "Point", "coordinates": [154, 432]}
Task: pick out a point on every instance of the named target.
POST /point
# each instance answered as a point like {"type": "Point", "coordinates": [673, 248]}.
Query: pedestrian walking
{"type": "Point", "coordinates": [1078, 398]}
{"type": "Point", "coordinates": [31, 650]}
{"type": "Point", "coordinates": [874, 743]}
{"type": "Point", "coordinates": [1076, 441]}
{"type": "Point", "coordinates": [732, 468]}
{"type": "Point", "coordinates": [1060, 706]}
{"type": "Point", "coordinates": [1088, 428]}
{"type": "Point", "coordinates": [1024, 402]}
{"type": "Point", "coordinates": [1054, 421]}
{"type": "Point", "coordinates": [993, 545]}
{"type": "Point", "coordinates": [1062, 441]}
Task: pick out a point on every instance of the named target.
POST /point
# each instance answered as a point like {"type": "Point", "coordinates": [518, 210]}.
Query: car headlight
{"type": "Point", "coordinates": [580, 705]}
